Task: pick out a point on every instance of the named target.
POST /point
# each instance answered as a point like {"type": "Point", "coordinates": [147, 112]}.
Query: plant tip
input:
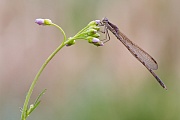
{"type": "Point", "coordinates": [41, 21]}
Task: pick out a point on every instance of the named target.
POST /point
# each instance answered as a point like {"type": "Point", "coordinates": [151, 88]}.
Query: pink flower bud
{"type": "Point", "coordinates": [40, 21]}
{"type": "Point", "coordinates": [101, 43]}
{"type": "Point", "coordinates": [98, 22]}
{"type": "Point", "coordinates": [95, 40]}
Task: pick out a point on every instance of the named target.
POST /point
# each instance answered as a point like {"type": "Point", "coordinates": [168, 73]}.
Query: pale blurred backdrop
{"type": "Point", "coordinates": [85, 82]}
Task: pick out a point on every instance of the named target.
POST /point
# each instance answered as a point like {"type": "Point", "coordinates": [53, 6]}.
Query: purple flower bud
{"type": "Point", "coordinates": [98, 22]}
{"type": "Point", "coordinates": [101, 43]}
{"type": "Point", "coordinates": [95, 40]}
{"type": "Point", "coordinates": [95, 23]}
{"type": "Point", "coordinates": [39, 21]}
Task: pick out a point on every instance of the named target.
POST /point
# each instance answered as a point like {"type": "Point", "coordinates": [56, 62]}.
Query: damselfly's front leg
{"type": "Point", "coordinates": [105, 31]}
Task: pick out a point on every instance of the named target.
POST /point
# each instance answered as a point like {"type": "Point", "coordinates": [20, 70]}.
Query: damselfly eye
{"type": "Point", "coordinates": [104, 20]}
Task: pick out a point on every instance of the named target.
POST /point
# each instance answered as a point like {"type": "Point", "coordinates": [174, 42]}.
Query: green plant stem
{"type": "Point", "coordinates": [25, 107]}
{"type": "Point", "coordinates": [61, 31]}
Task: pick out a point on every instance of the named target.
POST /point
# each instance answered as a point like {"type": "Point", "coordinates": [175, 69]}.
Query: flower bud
{"type": "Point", "coordinates": [91, 32]}
{"type": "Point", "coordinates": [92, 39]}
{"type": "Point", "coordinates": [47, 22]}
{"type": "Point", "coordinates": [95, 40]}
{"type": "Point", "coordinates": [92, 23]}
{"type": "Point", "coordinates": [100, 43]}
{"type": "Point", "coordinates": [95, 22]}
{"type": "Point", "coordinates": [98, 22]}
{"type": "Point", "coordinates": [40, 21]}
{"type": "Point", "coordinates": [71, 43]}
{"type": "Point", "coordinates": [95, 27]}
{"type": "Point", "coordinates": [96, 35]}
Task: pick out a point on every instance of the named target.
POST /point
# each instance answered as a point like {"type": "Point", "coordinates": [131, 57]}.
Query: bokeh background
{"type": "Point", "coordinates": [85, 82]}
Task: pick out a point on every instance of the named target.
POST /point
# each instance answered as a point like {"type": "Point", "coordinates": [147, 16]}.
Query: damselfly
{"type": "Point", "coordinates": [135, 50]}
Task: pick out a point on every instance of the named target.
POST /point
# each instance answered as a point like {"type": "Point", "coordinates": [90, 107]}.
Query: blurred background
{"type": "Point", "coordinates": [85, 82]}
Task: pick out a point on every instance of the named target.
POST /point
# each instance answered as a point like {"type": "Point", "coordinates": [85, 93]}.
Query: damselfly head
{"type": "Point", "coordinates": [104, 20]}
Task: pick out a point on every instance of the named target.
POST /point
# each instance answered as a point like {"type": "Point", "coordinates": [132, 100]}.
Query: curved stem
{"type": "Point", "coordinates": [61, 31]}
{"type": "Point", "coordinates": [36, 79]}
{"type": "Point", "coordinates": [25, 106]}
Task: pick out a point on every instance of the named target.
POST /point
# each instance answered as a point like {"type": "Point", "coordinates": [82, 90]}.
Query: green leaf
{"type": "Point", "coordinates": [40, 95]}
{"type": "Point", "coordinates": [36, 103]}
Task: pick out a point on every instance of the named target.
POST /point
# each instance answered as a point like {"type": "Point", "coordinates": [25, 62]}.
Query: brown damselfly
{"type": "Point", "coordinates": [135, 50]}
